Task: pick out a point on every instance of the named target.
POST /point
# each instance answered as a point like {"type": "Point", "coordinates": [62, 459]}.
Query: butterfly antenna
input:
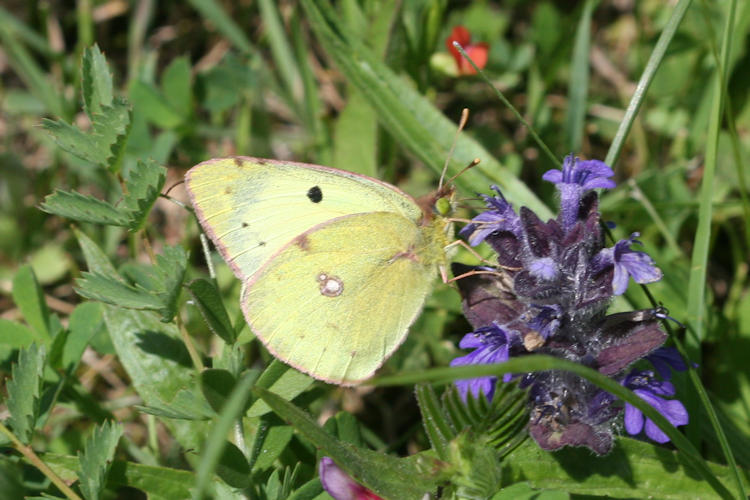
{"type": "Point", "coordinates": [461, 125]}
{"type": "Point", "coordinates": [166, 193]}
{"type": "Point", "coordinates": [473, 164]}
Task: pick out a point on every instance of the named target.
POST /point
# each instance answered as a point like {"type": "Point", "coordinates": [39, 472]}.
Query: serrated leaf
{"type": "Point", "coordinates": [170, 268]}
{"type": "Point", "coordinates": [208, 301]}
{"type": "Point", "coordinates": [144, 183]}
{"type": "Point", "coordinates": [164, 281]}
{"type": "Point", "coordinates": [145, 347]}
{"type": "Point", "coordinates": [29, 298]}
{"type": "Point", "coordinates": [159, 483]}
{"type": "Point", "coordinates": [23, 391]}
{"type": "Point", "coordinates": [95, 147]}
{"type": "Point", "coordinates": [387, 476]}
{"type": "Point", "coordinates": [113, 291]}
{"type": "Point", "coordinates": [96, 459]}
{"type": "Point", "coordinates": [82, 208]}
{"type": "Point", "coordinates": [96, 81]}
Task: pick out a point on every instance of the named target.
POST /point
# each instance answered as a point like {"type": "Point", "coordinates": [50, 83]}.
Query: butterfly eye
{"type": "Point", "coordinates": [443, 206]}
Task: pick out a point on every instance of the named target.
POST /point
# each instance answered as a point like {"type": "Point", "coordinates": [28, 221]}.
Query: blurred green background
{"type": "Point", "coordinates": [369, 86]}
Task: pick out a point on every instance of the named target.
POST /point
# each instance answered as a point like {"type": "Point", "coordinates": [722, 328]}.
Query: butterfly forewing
{"type": "Point", "coordinates": [252, 207]}
{"type": "Point", "coordinates": [344, 295]}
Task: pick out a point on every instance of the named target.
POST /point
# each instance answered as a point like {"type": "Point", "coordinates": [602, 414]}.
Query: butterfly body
{"type": "Point", "coordinates": [335, 266]}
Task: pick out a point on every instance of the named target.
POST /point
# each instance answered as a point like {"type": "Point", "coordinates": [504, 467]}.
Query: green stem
{"type": "Point", "coordinates": [32, 457]}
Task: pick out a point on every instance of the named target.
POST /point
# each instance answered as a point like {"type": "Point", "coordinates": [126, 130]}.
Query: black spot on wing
{"type": "Point", "coordinates": [314, 194]}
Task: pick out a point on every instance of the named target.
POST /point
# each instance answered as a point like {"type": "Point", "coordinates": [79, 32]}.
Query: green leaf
{"type": "Point", "coordinates": [280, 379]}
{"type": "Point", "coordinates": [216, 386]}
{"type": "Point", "coordinates": [15, 335]}
{"type": "Point", "coordinates": [232, 467]}
{"type": "Point", "coordinates": [158, 292]}
{"type": "Point", "coordinates": [154, 105]}
{"type": "Point", "coordinates": [96, 459]}
{"type": "Point", "coordinates": [23, 391]}
{"type": "Point", "coordinates": [187, 404]}
{"type": "Point", "coordinates": [116, 292]}
{"type": "Point", "coordinates": [96, 81]}
{"type": "Point", "coordinates": [522, 491]}
{"type": "Point", "coordinates": [29, 297]}
{"type": "Point", "coordinates": [146, 347]}
{"type": "Point", "coordinates": [159, 483]}
{"type": "Point", "coordinates": [170, 269]}
{"type": "Point", "coordinates": [85, 322]}
{"type": "Point", "coordinates": [355, 140]}
{"type": "Point", "coordinates": [175, 84]}
{"type": "Point", "coordinates": [82, 208]}
{"type": "Point", "coordinates": [633, 469]}
{"type": "Point", "coordinates": [387, 476]}
{"type": "Point", "coordinates": [274, 442]}
{"type": "Point", "coordinates": [215, 441]}
{"type": "Point", "coordinates": [434, 421]}
{"type": "Point", "coordinates": [410, 117]}
{"type": "Point", "coordinates": [208, 301]}
{"type": "Point", "coordinates": [107, 126]}
{"type": "Point", "coordinates": [144, 183]}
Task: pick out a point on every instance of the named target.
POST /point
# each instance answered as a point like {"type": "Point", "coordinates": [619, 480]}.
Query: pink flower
{"type": "Point", "coordinates": [478, 52]}
{"type": "Point", "coordinates": [339, 485]}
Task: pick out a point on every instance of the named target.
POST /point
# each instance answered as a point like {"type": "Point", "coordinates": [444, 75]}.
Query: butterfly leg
{"type": "Point", "coordinates": [473, 252]}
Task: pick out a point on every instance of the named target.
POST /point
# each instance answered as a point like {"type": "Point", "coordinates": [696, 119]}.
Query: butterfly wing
{"type": "Point", "coordinates": [343, 294]}
{"type": "Point", "coordinates": [252, 207]}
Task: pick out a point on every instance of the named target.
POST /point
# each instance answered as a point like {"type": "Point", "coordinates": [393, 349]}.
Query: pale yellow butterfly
{"type": "Point", "coordinates": [335, 266]}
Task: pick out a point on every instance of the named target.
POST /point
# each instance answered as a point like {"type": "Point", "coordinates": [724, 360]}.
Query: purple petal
{"type": "Point", "coordinates": [553, 175]}
{"type": "Point", "coordinates": [666, 359]}
{"type": "Point", "coordinates": [620, 279]}
{"type": "Point", "coordinates": [633, 419]}
{"type": "Point", "coordinates": [544, 268]}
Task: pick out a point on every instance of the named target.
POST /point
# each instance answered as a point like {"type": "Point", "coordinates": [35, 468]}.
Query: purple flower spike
{"type": "Point", "coordinates": [574, 180]}
{"type": "Point", "coordinates": [339, 485]}
{"type": "Point", "coordinates": [549, 294]}
{"type": "Point", "coordinates": [627, 263]}
{"type": "Point", "coordinates": [651, 391]}
{"type": "Point", "coordinates": [491, 345]}
{"type": "Point", "coordinates": [547, 321]}
{"type": "Point", "coordinates": [499, 217]}
{"type": "Point", "coordinates": [666, 359]}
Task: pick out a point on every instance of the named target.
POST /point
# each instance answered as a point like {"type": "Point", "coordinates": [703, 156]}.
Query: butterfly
{"type": "Point", "coordinates": [335, 265]}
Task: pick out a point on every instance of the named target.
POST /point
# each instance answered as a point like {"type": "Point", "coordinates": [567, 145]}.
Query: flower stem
{"type": "Point", "coordinates": [32, 457]}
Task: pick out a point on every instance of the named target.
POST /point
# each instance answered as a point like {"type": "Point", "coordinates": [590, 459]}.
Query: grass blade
{"type": "Point", "coordinates": [657, 55]}
{"type": "Point", "coordinates": [578, 86]}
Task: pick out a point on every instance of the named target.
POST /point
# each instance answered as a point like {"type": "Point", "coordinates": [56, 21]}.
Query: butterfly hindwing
{"type": "Point", "coordinates": [343, 293]}
{"type": "Point", "coordinates": [252, 207]}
